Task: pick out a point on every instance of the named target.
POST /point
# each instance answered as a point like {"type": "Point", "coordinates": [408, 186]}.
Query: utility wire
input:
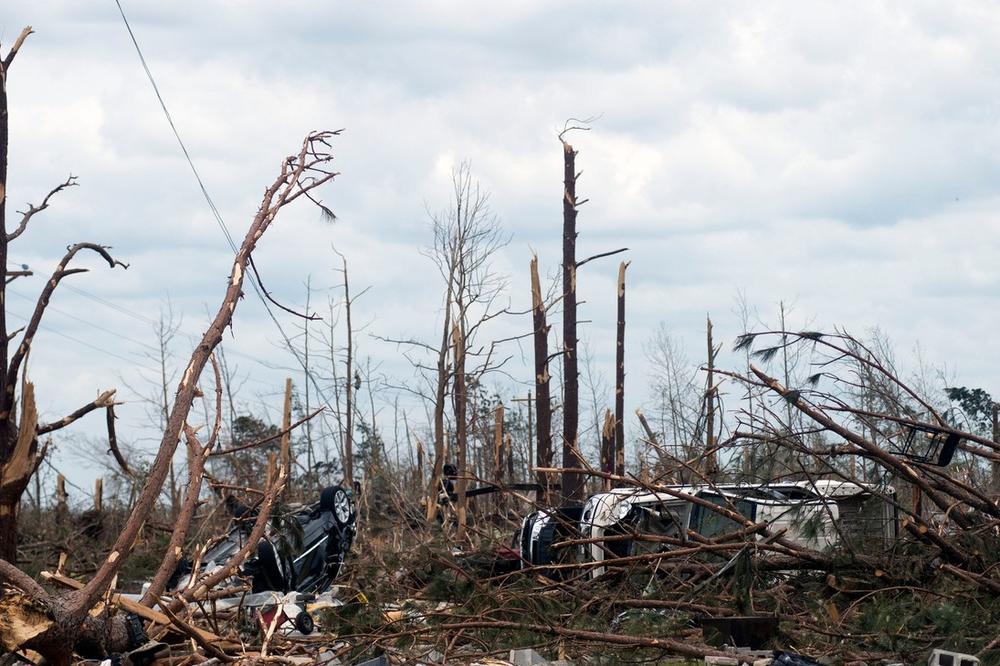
{"type": "Point", "coordinates": [85, 321]}
{"type": "Point", "coordinates": [153, 322]}
{"type": "Point", "coordinates": [131, 361]}
{"type": "Point", "coordinates": [111, 304]}
{"type": "Point", "coordinates": [218, 216]}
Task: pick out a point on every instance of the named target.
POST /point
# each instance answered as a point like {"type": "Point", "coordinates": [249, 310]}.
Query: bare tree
{"type": "Point", "coordinates": [19, 451]}
{"type": "Point", "coordinates": [711, 456]}
{"type": "Point", "coordinates": [156, 394]}
{"type": "Point", "coordinates": [467, 236]}
{"type": "Point", "coordinates": [678, 401]}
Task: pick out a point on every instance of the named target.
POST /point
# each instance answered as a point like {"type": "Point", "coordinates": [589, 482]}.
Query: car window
{"type": "Point", "coordinates": [709, 523]}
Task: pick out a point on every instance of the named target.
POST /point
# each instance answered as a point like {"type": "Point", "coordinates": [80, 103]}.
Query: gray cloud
{"type": "Point", "coordinates": [843, 158]}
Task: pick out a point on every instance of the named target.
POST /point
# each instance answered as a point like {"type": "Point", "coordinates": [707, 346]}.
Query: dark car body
{"type": "Point", "coordinates": [304, 551]}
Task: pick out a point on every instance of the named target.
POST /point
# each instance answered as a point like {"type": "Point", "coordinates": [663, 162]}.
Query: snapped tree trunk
{"type": "Point", "coordinates": [572, 479]}
{"type": "Point", "coordinates": [711, 465]}
{"type": "Point", "coordinates": [349, 389]}
{"type": "Point", "coordinates": [543, 401]}
{"type": "Point", "coordinates": [994, 465]}
{"type": "Point", "coordinates": [620, 376]}
{"type": "Point", "coordinates": [608, 449]}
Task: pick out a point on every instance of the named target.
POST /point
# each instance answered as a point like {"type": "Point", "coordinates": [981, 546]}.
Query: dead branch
{"type": "Point", "coordinates": [14, 49]}
{"type": "Point", "coordinates": [194, 634]}
{"type": "Point", "coordinates": [270, 438]}
{"type": "Point", "coordinates": [113, 442]}
{"type": "Point", "coordinates": [665, 644]}
{"type": "Point", "coordinates": [18, 578]}
{"type": "Point", "coordinates": [61, 271]}
{"type": "Point", "coordinates": [601, 254]}
{"type": "Point", "coordinates": [105, 400]}
{"type": "Point", "coordinates": [32, 209]}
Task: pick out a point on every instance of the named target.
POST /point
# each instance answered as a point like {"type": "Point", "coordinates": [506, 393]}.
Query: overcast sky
{"type": "Point", "coordinates": [843, 157]}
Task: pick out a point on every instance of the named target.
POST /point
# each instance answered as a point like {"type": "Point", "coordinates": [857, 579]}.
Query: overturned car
{"type": "Point", "coordinates": [305, 552]}
{"type": "Point", "coordinates": [631, 521]}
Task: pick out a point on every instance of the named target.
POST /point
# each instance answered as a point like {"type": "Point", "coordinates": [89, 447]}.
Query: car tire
{"type": "Point", "coordinates": [333, 497]}
{"type": "Point", "coordinates": [304, 623]}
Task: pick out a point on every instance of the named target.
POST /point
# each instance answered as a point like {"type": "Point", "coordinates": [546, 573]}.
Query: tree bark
{"type": "Point", "coordinates": [620, 375]}
{"type": "Point", "coordinates": [711, 459]}
{"type": "Point", "coordinates": [4, 142]}
{"type": "Point", "coordinates": [440, 396]}
{"type": "Point", "coordinates": [498, 456]}
{"type": "Point", "coordinates": [348, 394]}
{"type": "Point", "coordinates": [608, 449]}
{"type": "Point", "coordinates": [8, 531]}
{"type": "Point", "coordinates": [461, 433]}
{"type": "Point", "coordinates": [572, 479]}
{"type": "Point", "coordinates": [994, 466]}
{"type": "Point", "coordinates": [543, 401]}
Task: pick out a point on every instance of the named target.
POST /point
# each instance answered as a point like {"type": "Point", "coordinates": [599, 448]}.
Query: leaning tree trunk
{"type": "Point", "coordinates": [69, 613]}
{"type": "Point", "coordinates": [572, 478]}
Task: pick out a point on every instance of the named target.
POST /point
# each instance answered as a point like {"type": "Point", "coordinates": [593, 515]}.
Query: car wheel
{"type": "Point", "coordinates": [337, 501]}
{"type": "Point", "coordinates": [304, 623]}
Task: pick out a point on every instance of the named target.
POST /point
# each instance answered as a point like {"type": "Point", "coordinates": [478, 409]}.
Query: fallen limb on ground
{"type": "Point", "coordinates": [134, 607]}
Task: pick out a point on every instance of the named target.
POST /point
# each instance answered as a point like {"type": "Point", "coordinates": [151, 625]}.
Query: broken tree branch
{"type": "Point", "coordinates": [14, 49]}
{"type": "Point", "coordinates": [601, 255]}
{"type": "Point", "coordinates": [61, 271]}
{"type": "Point", "coordinates": [105, 400]}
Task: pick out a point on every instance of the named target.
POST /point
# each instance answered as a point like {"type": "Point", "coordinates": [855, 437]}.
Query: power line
{"type": "Point", "coordinates": [84, 321]}
{"type": "Point", "coordinates": [110, 304]}
{"type": "Point", "coordinates": [131, 361]}
{"type": "Point", "coordinates": [218, 216]}
{"type": "Point", "coordinates": [153, 322]}
{"type": "Point", "coordinates": [130, 313]}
